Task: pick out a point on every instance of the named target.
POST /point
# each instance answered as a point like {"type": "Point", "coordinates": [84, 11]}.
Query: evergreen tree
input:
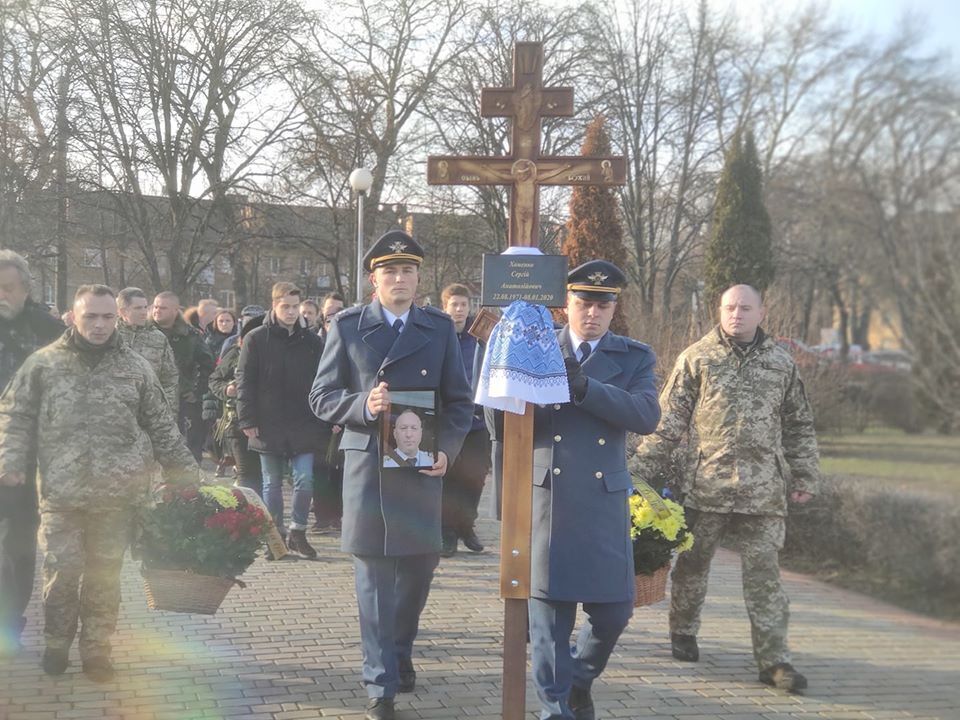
{"type": "Point", "coordinates": [740, 248]}
{"type": "Point", "coordinates": [594, 231]}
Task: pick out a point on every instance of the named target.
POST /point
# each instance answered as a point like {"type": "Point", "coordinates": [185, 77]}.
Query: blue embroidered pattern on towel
{"type": "Point", "coordinates": [522, 362]}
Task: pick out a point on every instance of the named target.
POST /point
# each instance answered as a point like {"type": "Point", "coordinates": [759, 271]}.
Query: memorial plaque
{"type": "Point", "coordinates": [537, 279]}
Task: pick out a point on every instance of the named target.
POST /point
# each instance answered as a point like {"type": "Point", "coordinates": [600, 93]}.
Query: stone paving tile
{"type": "Point", "coordinates": [287, 647]}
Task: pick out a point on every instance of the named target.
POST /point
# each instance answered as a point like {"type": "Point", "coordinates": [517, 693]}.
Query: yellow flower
{"type": "Point", "coordinates": [221, 495]}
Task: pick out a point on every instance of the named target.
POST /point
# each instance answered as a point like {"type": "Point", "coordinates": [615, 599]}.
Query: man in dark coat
{"type": "Point", "coordinates": [195, 364]}
{"type": "Point", "coordinates": [278, 362]}
{"type": "Point", "coordinates": [463, 485]}
{"type": "Point", "coordinates": [581, 551]}
{"type": "Point", "coordinates": [391, 521]}
{"type": "Point", "coordinates": [25, 326]}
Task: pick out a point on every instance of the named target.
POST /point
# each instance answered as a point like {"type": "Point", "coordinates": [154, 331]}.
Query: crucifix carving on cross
{"type": "Point", "coordinates": [525, 171]}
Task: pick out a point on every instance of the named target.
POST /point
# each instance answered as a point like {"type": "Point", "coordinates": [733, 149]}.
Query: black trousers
{"type": "Point", "coordinates": [463, 483]}
{"type": "Point", "coordinates": [193, 427]}
{"type": "Point", "coordinates": [247, 463]}
{"type": "Point", "coordinates": [327, 488]}
{"type": "Point", "coordinates": [18, 557]}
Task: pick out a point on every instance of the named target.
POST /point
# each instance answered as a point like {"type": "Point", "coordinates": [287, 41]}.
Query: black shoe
{"type": "Point", "coordinates": [297, 542]}
{"type": "Point", "coordinates": [449, 547]}
{"type": "Point", "coordinates": [55, 661]}
{"type": "Point", "coordinates": [783, 677]}
{"type": "Point", "coordinates": [471, 541]}
{"type": "Point", "coordinates": [408, 676]}
{"type": "Point", "coordinates": [380, 709]}
{"type": "Point", "coordinates": [98, 669]}
{"type": "Point", "coordinates": [580, 703]}
{"type": "Point", "coordinates": [685, 647]}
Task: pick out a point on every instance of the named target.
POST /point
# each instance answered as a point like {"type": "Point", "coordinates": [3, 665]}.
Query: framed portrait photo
{"type": "Point", "coordinates": [408, 432]}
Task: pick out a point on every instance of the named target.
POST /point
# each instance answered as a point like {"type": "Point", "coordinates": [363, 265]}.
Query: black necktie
{"type": "Point", "coordinates": [412, 462]}
{"type": "Point", "coordinates": [397, 325]}
{"type": "Point", "coordinates": [584, 352]}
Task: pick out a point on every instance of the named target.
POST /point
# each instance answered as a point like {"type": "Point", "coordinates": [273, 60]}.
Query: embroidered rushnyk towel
{"type": "Point", "coordinates": [522, 362]}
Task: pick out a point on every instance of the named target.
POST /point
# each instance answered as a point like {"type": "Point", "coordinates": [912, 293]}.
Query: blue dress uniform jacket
{"type": "Point", "coordinates": [581, 531]}
{"type": "Point", "coordinates": [400, 514]}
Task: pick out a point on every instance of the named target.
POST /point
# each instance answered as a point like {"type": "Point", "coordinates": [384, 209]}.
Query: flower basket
{"type": "Point", "coordinates": [651, 588]}
{"type": "Point", "coordinates": [658, 529]}
{"type": "Point", "coordinates": [185, 591]}
{"type": "Point", "coordinates": [195, 541]}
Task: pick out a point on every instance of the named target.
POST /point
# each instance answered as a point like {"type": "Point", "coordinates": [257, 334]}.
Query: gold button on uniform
{"type": "Point", "coordinates": [599, 475]}
{"type": "Point", "coordinates": [556, 471]}
{"type": "Point", "coordinates": [601, 441]}
{"type": "Point", "coordinates": [557, 438]}
{"type": "Point", "coordinates": [556, 407]}
{"type": "Point", "coordinates": [423, 372]}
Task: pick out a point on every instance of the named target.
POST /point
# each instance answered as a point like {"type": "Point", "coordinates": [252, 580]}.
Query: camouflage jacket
{"type": "Point", "coordinates": [749, 427]}
{"type": "Point", "coordinates": [152, 344]}
{"type": "Point", "coordinates": [95, 430]}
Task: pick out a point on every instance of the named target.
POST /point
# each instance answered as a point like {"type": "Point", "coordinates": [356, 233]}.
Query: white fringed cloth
{"type": "Point", "coordinates": [522, 362]}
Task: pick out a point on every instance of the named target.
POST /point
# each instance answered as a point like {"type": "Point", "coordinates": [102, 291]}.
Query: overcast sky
{"type": "Point", "coordinates": [882, 17]}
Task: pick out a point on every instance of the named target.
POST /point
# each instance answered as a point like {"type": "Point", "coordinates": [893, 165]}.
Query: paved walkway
{"type": "Point", "coordinates": [287, 647]}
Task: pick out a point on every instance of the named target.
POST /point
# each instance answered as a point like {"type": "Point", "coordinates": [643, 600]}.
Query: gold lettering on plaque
{"type": "Point", "coordinates": [578, 178]}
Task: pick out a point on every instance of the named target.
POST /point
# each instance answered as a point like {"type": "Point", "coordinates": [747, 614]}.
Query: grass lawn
{"type": "Point", "coordinates": [912, 462]}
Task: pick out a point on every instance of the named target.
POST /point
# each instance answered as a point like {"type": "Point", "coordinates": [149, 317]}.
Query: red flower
{"type": "Point", "coordinates": [255, 530]}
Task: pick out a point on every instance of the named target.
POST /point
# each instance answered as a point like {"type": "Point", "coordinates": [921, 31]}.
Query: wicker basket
{"type": "Point", "coordinates": [651, 588]}
{"type": "Point", "coordinates": [185, 591]}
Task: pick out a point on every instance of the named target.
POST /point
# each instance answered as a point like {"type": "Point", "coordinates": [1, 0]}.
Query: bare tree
{"type": "Point", "coordinates": [178, 100]}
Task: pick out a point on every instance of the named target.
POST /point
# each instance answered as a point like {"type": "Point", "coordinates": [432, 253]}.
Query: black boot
{"type": "Point", "coordinates": [380, 709]}
{"type": "Point", "coordinates": [449, 548]}
{"type": "Point", "coordinates": [471, 541]}
{"type": "Point", "coordinates": [297, 542]}
{"type": "Point", "coordinates": [55, 661]}
{"type": "Point", "coordinates": [581, 704]}
{"type": "Point", "coordinates": [783, 676]}
{"type": "Point", "coordinates": [98, 669]}
{"type": "Point", "coordinates": [684, 647]}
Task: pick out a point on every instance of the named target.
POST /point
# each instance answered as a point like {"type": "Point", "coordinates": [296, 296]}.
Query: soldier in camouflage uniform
{"type": "Point", "coordinates": [738, 398]}
{"type": "Point", "coordinates": [149, 341]}
{"type": "Point", "coordinates": [94, 413]}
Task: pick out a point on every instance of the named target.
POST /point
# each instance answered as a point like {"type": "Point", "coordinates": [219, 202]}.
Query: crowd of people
{"type": "Point", "coordinates": [315, 391]}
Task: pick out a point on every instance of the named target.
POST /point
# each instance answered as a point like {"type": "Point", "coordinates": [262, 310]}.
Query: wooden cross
{"type": "Point", "coordinates": [525, 171]}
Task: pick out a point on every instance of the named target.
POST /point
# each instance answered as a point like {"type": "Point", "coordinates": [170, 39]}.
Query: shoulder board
{"type": "Point", "coordinates": [348, 312]}
{"type": "Point", "coordinates": [637, 344]}
{"type": "Point", "coordinates": [431, 310]}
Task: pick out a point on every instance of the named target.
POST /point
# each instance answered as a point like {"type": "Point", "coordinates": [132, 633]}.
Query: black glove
{"type": "Point", "coordinates": [576, 380]}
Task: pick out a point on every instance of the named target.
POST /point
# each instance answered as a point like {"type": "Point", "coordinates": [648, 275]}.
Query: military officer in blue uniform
{"type": "Point", "coordinates": [581, 527]}
{"type": "Point", "coordinates": [391, 520]}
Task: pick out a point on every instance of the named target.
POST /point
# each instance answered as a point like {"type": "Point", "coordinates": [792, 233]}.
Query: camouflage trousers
{"type": "Point", "coordinates": [82, 558]}
{"type": "Point", "coordinates": [758, 539]}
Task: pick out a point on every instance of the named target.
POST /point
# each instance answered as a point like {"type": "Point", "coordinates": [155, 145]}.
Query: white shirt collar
{"type": "Point", "coordinates": [575, 342]}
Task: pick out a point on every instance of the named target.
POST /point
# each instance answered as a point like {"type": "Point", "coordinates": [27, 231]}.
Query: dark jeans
{"type": "Point", "coordinates": [463, 483]}
{"type": "Point", "coordinates": [327, 489]}
{"type": "Point", "coordinates": [193, 427]}
{"type": "Point", "coordinates": [18, 557]}
{"type": "Point", "coordinates": [249, 474]}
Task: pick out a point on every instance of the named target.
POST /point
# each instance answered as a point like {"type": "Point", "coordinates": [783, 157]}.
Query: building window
{"type": "Point", "coordinates": [273, 264]}
{"type": "Point", "coordinates": [323, 281]}
{"type": "Point", "coordinates": [306, 266]}
{"type": "Point", "coordinates": [92, 258]}
{"type": "Point", "coordinates": [206, 276]}
{"type": "Point", "coordinates": [228, 297]}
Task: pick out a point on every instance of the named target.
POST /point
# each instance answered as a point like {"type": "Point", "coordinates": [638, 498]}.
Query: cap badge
{"type": "Point", "coordinates": [597, 277]}
{"type": "Point", "coordinates": [398, 247]}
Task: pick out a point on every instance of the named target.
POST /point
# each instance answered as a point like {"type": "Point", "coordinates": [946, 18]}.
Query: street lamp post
{"type": "Point", "coordinates": [360, 180]}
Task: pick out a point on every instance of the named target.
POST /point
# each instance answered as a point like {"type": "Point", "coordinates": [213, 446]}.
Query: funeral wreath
{"type": "Point", "coordinates": [195, 541]}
